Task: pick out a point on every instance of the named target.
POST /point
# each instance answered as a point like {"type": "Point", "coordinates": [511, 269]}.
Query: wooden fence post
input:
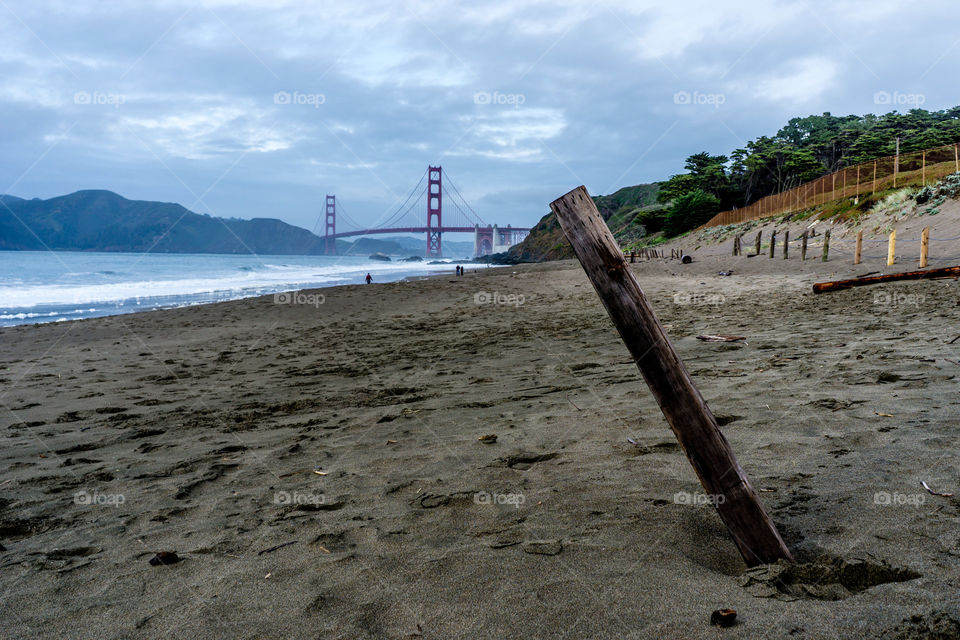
{"type": "Point", "coordinates": [826, 245]}
{"type": "Point", "coordinates": [856, 252]}
{"type": "Point", "coordinates": [892, 247]}
{"type": "Point", "coordinates": [924, 246]}
{"type": "Point", "coordinates": [896, 164]}
{"type": "Point", "coordinates": [694, 425]}
{"type": "Point", "coordinates": [757, 250]}
{"type": "Point", "coordinates": [773, 242]}
{"type": "Point", "coordinates": [786, 243]}
{"type": "Point", "coordinates": [874, 177]}
{"type": "Point", "coordinates": [803, 245]}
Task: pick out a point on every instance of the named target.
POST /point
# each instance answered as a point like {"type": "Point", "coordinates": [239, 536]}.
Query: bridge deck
{"type": "Point", "coordinates": [366, 232]}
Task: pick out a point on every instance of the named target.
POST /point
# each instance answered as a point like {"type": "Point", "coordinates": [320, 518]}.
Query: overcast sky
{"type": "Point", "coordinates": [247, 108]}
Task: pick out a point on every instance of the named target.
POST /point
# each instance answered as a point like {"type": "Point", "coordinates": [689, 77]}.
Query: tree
{"type": "Point", "coordinates": [705, 172]}
{"type": "Point", "coordinates": [689, 211]}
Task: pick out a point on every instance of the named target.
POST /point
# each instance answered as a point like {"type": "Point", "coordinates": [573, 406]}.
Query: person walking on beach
{"type": "Point", "coordinates": [369, 278]}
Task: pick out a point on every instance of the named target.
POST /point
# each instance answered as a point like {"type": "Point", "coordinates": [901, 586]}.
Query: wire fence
{"type": "Point", "coordinates": [916, 168]}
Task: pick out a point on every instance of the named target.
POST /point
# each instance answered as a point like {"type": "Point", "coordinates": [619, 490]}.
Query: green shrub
{"type": "Point", "coordinates": [690, 211]}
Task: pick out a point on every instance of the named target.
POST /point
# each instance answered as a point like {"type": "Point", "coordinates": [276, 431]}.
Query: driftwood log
{"type": "Point", "coordinates": [694, 425]}
{"type": "Point", "coordinates": [944, 272]}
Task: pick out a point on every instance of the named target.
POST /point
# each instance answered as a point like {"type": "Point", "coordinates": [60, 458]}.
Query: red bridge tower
{"type": "Point", "coordinates": [434, 210]}
{"type": "Point", "coordinates": [330, 243]}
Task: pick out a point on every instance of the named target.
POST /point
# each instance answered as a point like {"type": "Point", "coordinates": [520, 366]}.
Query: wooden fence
{"type": "Point", "coordinates": [907, 169]}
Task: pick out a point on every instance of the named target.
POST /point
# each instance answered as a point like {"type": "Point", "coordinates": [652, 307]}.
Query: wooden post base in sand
{"type": "Point", "coordinates": [924, 247]}
{"type": "Point", "coordinates": [692, 422]}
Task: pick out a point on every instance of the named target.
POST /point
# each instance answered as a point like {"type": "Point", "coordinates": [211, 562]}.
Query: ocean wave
{"type": "Point", "coordinates": [226, 284]}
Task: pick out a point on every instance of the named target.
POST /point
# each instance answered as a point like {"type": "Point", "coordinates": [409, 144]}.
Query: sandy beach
{"type": "Point", "coordinates": [317, 466]}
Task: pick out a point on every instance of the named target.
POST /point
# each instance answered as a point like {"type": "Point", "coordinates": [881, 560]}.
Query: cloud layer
{"type": "Point", "coordinates": [259, 108]}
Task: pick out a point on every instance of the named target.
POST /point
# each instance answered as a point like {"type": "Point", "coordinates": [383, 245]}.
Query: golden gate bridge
{"type": "Point", "coordinates": [434, 204]}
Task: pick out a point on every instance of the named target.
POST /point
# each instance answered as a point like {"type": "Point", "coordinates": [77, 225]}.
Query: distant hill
{"type": "Point", "coordinates": [104, 221]}
{"type": "Point", "coordinates": [547, 242]}
{"type": "Point", "coordinates": [98, 220]}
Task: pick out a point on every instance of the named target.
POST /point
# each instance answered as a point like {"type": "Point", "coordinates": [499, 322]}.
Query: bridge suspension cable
{"type": "Point", "coordinates": [475, 218]}
{"type": "Point", "coordinates": [343, 215]}
{"type": "Point", "coordinates": [400, 212]}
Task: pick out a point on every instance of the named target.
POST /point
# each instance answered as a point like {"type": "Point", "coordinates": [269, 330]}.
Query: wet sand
{"type": "Point", "coordinates": [348, 431]}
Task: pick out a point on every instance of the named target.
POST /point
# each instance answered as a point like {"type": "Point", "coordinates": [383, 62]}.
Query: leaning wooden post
{"type": "Point", "coordinates": [857, 251]}
{"type": "Point", "coordinates": [757, 250]}
{"type": "Point", "coordinates": [826, 245]}
{"type": "Point", "coordinates": [803, 245]}
{"type": "Point", "coordinates": [786, 243]}
{"type": "Point", "coordinates": [924, 246]}
{"type": "Point", "coordinates": [684, 408]}
{"type": "Point", "coordinates": [773, 242]}
{"type": "Point", "coordinates": [892, 247]}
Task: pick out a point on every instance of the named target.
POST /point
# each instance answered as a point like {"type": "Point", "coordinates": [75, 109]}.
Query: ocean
{"type": "Point", "coordinates": [46, 286]}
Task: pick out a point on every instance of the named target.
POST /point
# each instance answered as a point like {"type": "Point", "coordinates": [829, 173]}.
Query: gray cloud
{"type": "Point", "coordinates": [254, 108]}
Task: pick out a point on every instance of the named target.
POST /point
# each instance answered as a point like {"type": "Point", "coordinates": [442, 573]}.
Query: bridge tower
{"type": "Point", "coordinates": [434, 211]}
{"type": "Point", "coordinates": [330, 244]}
